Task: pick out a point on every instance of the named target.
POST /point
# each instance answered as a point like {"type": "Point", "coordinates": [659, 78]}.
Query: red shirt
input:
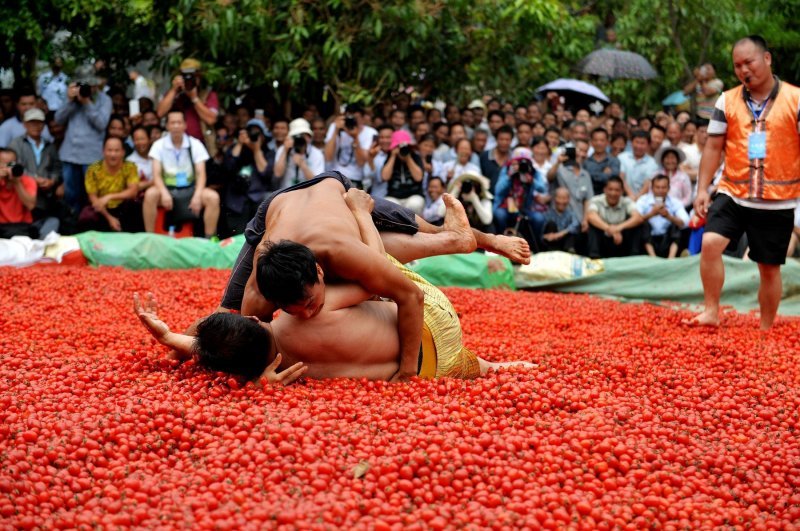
{"type": "Point", "coordinates": [11, 208]}
{"type": "Point", "coordinates": [183, 103]}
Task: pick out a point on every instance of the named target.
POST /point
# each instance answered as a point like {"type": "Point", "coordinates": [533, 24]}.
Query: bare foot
{"type": "Point", "coordinates": [487, 365]}
{"type": "Point", "coordinates": [457, 224]}
{"type": "Point", "coordinates": [706, 318]}
{"type": "Point", "coordinates": [512, 247]}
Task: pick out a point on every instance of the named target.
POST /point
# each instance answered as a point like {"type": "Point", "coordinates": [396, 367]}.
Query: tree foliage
{"type": "Point", "coordinates": [364, 50]}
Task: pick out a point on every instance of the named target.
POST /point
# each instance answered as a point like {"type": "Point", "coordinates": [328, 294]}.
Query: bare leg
{"type": "Point", "coordinates": [486, 365]}
{"type": "Point", "coordinates": [455, 237]}
{"type": "Point", "coordinates": [712, 272]}
{"type": "Point", "coordinates": [150, 208]}
{"type": "Point", "coordinates": [673, 250]}
{"type": "Point", "coordinates": [512, 247]}
{"type": "Point", "coordinates": [650, 249]}
{"type": "Point", "coordinates": [769, 293]}
{"type": "Point", "coordinates": [210, 211]}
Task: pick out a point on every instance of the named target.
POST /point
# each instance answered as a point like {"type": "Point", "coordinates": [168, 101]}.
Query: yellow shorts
{"type": "Point", "coordinates": [443, 355]}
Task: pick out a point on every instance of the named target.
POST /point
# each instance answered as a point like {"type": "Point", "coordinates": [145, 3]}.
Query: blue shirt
{"type": "Point", "coordinates": [659, 225]}
{"type": "Point", "coordinates": [563, 220]}
{"type": "Point", "coordinates": [637, 171]}
{"type": "Point", "coordinates": [86, 128]}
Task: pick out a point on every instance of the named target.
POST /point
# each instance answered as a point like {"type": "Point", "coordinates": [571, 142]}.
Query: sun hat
{"type": "Point", "coordinates": [476, 104]}
{"type": "Point", "coordinates": [255, 122]}
{"type": "Point", "coordinates": [190, 66]}
{"type": "Point", "coordinates": [667, 149]}
{"type": "Point", "coordinates": [299, 126]}
{"type": "Point", "coordinates": [473, 177]}
{"type": "Point", "coordinates": [400, 137]}
{"type": "Point", "coordinates": [85, 74]}
{"type": "Point", "coordinates": [33, 115]}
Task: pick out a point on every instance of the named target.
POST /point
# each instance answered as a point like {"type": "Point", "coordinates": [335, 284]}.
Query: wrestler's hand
{"type": "Point", "coordinates": [358, 200]}
{"type": "Point", "coordinates": [401, 376]}
{"type": "Point", "coordinates": [284, 377]}
{"type": "Point", "coordinates": [148, 315]}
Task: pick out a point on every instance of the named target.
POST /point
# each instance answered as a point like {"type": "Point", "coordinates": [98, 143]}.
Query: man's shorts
{"type": "Point", "coordinates": [442, 353]}
{"type": "Point", "coordinates": [387, 216]}
{"type": "Point", "coordinates": [181, 197]}
{"type": "Point", "coordinates": [768, 231]}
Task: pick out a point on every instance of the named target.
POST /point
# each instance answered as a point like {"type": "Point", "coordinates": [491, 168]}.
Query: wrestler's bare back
{"type": "Point", "coordinates": [355, 342]}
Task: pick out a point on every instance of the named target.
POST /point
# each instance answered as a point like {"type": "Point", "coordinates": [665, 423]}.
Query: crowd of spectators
{"type": "Point", "coordinates": [76, 154]}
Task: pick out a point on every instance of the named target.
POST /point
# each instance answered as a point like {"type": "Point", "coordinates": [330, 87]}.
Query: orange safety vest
{"type": "Point", "coordinates": [776, 177]}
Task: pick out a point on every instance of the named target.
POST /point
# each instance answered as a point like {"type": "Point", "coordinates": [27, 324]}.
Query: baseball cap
{"type": "Point", "coordinates": [190, 66]}
{"type": "Point", "coordinates": [255, 122]}
{"type": "Point", "coordinates": [33, 115]}
{"type": "Point", "coordinates": [476, 104]}
{"type": "Point", "coordinates": [86, 74]}
{"type": "Point", "coordinates": [299, 126]}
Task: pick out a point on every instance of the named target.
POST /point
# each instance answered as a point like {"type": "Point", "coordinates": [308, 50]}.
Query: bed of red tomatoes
{"type": "Point", "coordinates": [630, 420]}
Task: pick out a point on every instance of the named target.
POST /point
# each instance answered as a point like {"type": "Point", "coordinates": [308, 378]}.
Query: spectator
{"type": "Point", "coordinates": [318, 134]}
{"type": "Point", "coordinates": [457, 133]}
{"type": "Point", "coordinates": [561, 225]}
{"type": "Point", "coordinates": [57, 130]}
{"type": "Point", "coordinates": [534, 112]}
{"type": "Point", "coordinates": [553, 137]}
{"type": "Point", "coordinates": [434, 207]}
{"type": "Point", "coordinates": [141, 150]}
{"type": "Point", "coordinates": [150, 119]}
{"type": "Point", "coordinates": [619, 143]}
{"type": "Point", "coordinates": [430, 167]}
{"type": "Point", "coordinates": [568, 172]}
{"type": "Point", "coordinates": [674, 134]}
{"type": "Point", "coordinates": [441, 131]}
{"type": "Point", "coordinates": [665, 218]}
{"type": "Point", "coordinates": [473, 192]}
{"type": "Point", "coordinates": [218, 176]}
{"type": "Point", "coordinates": [199, 104]}
{"type": "Point", "coordinates": [521, 197]}
{"type": "Point", "coordinates": [13, 127]}
{"type": "Point", "coordinates": [403, 173]}
{"type": "Point", "coordinates": [637, 166]}
{"type": "Point", "coordinates": [39, 158]}
{"type": "Point", "coordinates": [705, 88]}
{"type": "Point", "coordinates": [111, 184]}
{"type": "Point", "coordinates": [658, 137]}
{"type": "Point", "coordinates": [479, 141]}
{"type": "Point", "coordinates": [434, 116]}
{"type": "Point", "coordinates": [680, 186]}
{"type": "Point", "coordinates": [541, 157]}
{"type": "Point", "coordinates": [419, 130]}
{"type": "Point", "coordinates": [85, 116]}
{"type": "Point", "coordinates": [524, 135]}
{"type": "Point", "coordinates": [297, 159]}
{"type": "Point", "coordinates": [493, 160]}
{"type": "Point", "coordinates": [53, 84]}
{"type": "Point", "coordinates": [521, 113]}
{"type": "Point", "coordinates": [347, 144]}
{"type": "Point", "coordinates": [601, 165]}
{"type": "Point", "coordinates": [376, 158]}
{"type": "Point", "coordinates": [688, 130]}
{"type": "Point", "coordinates": [613, 223]}
{"type": "Point", "coordinates": [116, 127]}
{"type": "Point", "coordinates": [461, 164]}
{"type": "Point", "coordinates": [156, 133]}
{"type": "Point", "coordinates": [495, 121]}
{"type": "Point", "coordinates": [452, 114]}
{"type": "Point", "coordinates": [250, 165]}
{"type": "Point", "coordinates": [179, 179]}
{"type": "Point", "coordinates": [478, 109]}
{"type": "Point", "coordinates": [694, 151]}
{"type": "Point", "coordinates": [17, 198]}
{"type": "Point", "coordinates": [280, 131]}
{"type": "Point", "coordinates": [398, 120]}
{"type": "Point", "coordinates": [142, 87]}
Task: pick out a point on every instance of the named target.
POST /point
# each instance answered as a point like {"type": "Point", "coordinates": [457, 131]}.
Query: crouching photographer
{"type": "Point", "coordinates": [473, 192]}
{"type": "Point", "coordinates": [403, 173]}
{"type": "Point", "coordinates": [297, 160]}
{"type": "Point", "coordinates": [521, 198]}
{"type": "Point", "coordinates": [249, 163]}
{"type": "Point", "coordinates": [17, 198]}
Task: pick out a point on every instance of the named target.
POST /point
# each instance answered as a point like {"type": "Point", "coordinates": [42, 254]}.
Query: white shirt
{"type": "Point", "coordinates": [659, 225]}
{"type": "Point", "coordinates": [344, 157]}
{"type": "Point", "coordinates": [693, 155]}
{"type": "Point", "coordinates": [293, 174]}
{"type": "Point", "coordinates": [176, 164]}
{"type": "Point", "coordinates": [142, 89]}
{"type": "Point", "coordinates": [53, 89]}
{"type": "Point", "coordinates": [458, 169]}
{"type": "Point", "coordinates": [144, 165]}
{"type": "Point", "coordinates": [13, 127]}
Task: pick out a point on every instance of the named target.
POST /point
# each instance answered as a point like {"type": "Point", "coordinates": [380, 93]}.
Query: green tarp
{"type": "Point", "coordinates": [642, 278]}
{"type": "Point", "coordinates": [154, 251]}
{"type": "Point", "coordinates": [476, 270]}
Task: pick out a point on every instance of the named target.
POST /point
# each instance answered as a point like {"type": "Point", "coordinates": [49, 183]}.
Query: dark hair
{"type": "Point", "coordinates": [439, 125]}
{"type": "Point", "coordinates": [638, 133]}
{"type": "Point", "coordinates": [174, 110]}
{"type": "Point", "coordinates": [701, 122]}
{"type": "Point", "coordinates": [524, 122]}
{"type": "Point", "coordinates": [417, 126]}
{"type": "Point", "coordinates": [520, 106]}
{"type": "Point", "coordinates": [599, 130]}
{"type": "Point", "coordinates": [284, 271]}
{"type": "Point", "coordinates": [385, 126]}
{"type": "Point", "coordinates": [617, 136]}
{"type": "Point", "coordinates": [459, 124]}
{"type": "Point", "coordinates": [495, 113]}
{"type": "Point", "coordinates": [427, 137]}
{"type": "Point", "coordinates": [656, 126]}
{"type": "Point", "coordinates": [23, 91]}
{"type": "Point", "coordinates": [658, 177]}
{"type": "Point", "coordinates": [480, 131]}
{"type": "Point", "coordinates": [140, 128]}
{"type": "Point", "coordinates": [232, 343]}
{"type": "Point", "coordinates": [504, 129]}
{"type": "Point", "coordinates": [757, 40]}
{"type": "Point", "coordinates": [553, 129]}
{"type": "Point", "coordinates": [615, 179]}
{"type": "Point", "coordinates": [441, 181]}
{"type": "Point", "coordinates": [279, 119]}
{"type": "Point", "coordinates": [395, 111]}
{"type": "Point", "coordinates": [538, 140]}
{"type": "Point", "coordinates": [109, 137]}
{"type": "Point", "coordinates": [465, 139]}
{"type": "Point", "coordinates": [113, 117]}
{"type": "Point", "coordinates": [8, 150]}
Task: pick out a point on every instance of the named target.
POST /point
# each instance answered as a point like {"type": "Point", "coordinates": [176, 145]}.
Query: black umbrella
{"type": "Point", "coordinates": [616, 64]}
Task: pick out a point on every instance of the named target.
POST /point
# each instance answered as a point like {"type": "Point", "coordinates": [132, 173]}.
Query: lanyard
{"type": "Point", "coordinates": [757, 115]}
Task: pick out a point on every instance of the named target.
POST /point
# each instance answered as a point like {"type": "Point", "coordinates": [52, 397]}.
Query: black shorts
{"type": "Point", "coordinates": [180, 213]}
{"type": "Point", "coordinates": [768, 231]}
{"type": "Point", "coordinates": [387, 216]}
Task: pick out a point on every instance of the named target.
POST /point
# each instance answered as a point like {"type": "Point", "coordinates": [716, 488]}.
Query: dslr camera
{"type": "Point", "coordinates": [299, 143]}
{"type": "Point", "coordinates": [188, 81]}
{"type": "Point", "coordinates": [524, 172]}
{"type": "Point", "coordinates": [253, 133]}
{"type": "Point", "coordinates": [17, 169]}
{"type": "Point", "coordinates": [84, 90]}
{"type": "Point", "coordinates": [350, 121]}
{"type": "Point", "coordinates": [405, 150]}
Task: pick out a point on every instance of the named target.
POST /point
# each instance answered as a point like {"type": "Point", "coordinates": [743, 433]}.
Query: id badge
{"type": "Point", "coordinates": [181, 179]}
{"type": "Point", "coordinates": [757, 145]}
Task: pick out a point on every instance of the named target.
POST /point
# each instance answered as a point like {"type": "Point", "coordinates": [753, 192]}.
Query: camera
{"type": "Point", "coordinates": [253, 133]}
{"type": "Point", "coordinates": [350, 121]}
{"type": "Point", "coordinates": [525, 166]}
{"type": "Point", "coordinates": [188, 81]}
{"type": "Point", "coordinates": [17, 169]}
{"type": "Point", "coordinates": [466, 187]}
{"type": "Point", "coordinates": [299, 143]}
{"type": "Point", "coordinates": [84, 90]}
{"type": "Point", "coordinates": [405, 150]}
